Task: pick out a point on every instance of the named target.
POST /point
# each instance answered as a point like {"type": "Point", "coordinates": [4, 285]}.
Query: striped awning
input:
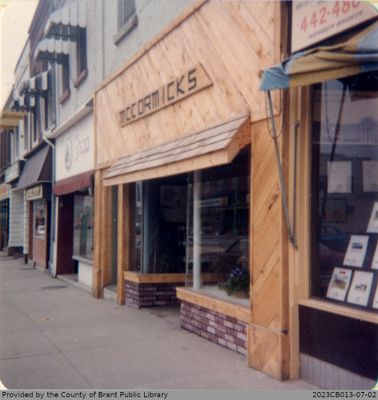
{"type": "Point", "coordinates": [37, 84]}
{"type": "Point", "coordinates": [64, 22]}
{"type": "Point", "coordinates": [210, 147]}
{"type": "Point", "coordinates": [54, 50]}
{"type": "Point", "coordinates": [349, 56]}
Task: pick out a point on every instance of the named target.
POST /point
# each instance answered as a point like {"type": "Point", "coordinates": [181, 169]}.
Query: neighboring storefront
{"type": "Point", "coordinates": [4, 215]}
{"type": "Point", "coordinates": [16, 210]}
{"type": "Point", "coordinates": [74, 190]}
{"type": "Point", "coordinates": [332, 184]}
{"type": "Point", "coordinates": [187, 202]}
{"type": "Point", "coordinates": [35, 182]}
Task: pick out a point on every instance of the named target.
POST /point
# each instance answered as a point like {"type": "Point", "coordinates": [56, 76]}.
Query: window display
{"type": "Point", "coordinates": [39, 219]}
{"type": "Point", "coordinates": [344, 191]}
{"type": "Point", "coordinates": [83, 227]}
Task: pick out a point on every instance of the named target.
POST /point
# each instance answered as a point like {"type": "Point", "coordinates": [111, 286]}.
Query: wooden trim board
{"type": "Point", "coordinates": [137, 277]}
{"type": "Point", "coordinates": [340, 310]}
{"type": "Point", "coordinates": [212, 303]}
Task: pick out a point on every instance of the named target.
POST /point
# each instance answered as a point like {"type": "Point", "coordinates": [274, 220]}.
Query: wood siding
{"type": "Point", "coordinates": [233, 52]}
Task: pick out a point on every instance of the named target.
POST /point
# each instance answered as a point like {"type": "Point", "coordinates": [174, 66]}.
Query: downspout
{"type": "Point", "coordinates": [52, 212]}
{"type": "Point", "coordinates": [284, 200]}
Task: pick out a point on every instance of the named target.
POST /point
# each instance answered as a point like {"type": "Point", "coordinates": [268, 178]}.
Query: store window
{"type": "Point", "coordinates": [83, 226]}
{"type": "Point", "coordinates": [39, 212]}
{"type": "Point", "coordinates": [344, 198]}
{"type": "Point", "coordinates": [164, 235]}
{"type": "Point", "coordinates": [224, 225]}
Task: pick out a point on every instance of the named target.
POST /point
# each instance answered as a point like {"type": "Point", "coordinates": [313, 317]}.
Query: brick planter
{"type": "Point", "coordinates": [139, 295]}
{"type": "Point", "coordinates": [216, 327]}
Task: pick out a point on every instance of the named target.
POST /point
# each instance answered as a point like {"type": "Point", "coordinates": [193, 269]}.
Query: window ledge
{"type": "Point", "coordinates": [238, 311]}
{"type": "Point", "coordinates": [83, 259]}
{"type": "Point", "coordinates": [340, 310]}
{"type": "Point", "coordinates": [81, 78]}
{"type": "Point", "coordinates": [131, 23]}
{"type": "Point", "coordinates": [65, 96]}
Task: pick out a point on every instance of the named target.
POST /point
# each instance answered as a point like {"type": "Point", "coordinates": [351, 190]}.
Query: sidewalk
{"type": "Point", "coordinates": [53, 335]}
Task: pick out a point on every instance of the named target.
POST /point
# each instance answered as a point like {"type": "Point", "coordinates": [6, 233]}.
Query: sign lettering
{"type": "Point", "coordinates": [314, 21]}
{"type": "Point", "coordinates": [34, 193]}
{"type": "Point", "coordinates": [175, 90]}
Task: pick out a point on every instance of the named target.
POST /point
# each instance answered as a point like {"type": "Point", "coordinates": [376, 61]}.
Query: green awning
{"type": "Point", "coordinates": [351, 56]}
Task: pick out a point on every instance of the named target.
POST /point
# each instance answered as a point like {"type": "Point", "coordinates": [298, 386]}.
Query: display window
{"type": "Point", "coordinates": [39, 212]}
{"type": "Point", "coordinates": [344, 191]}
{"type": "Point", "coordinates": [164, 224]}
{"type": "Point", "coordinates": [83, 227]}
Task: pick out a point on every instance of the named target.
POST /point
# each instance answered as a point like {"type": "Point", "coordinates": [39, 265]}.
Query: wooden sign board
{"type": "Point", "coordinates": [314, 21]}
{"type": "Point", "coordinates": [188, 83]}
{"type": "Point", "coordinates": [34, 193]}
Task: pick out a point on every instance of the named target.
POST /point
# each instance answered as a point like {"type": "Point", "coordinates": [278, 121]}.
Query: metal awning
{"type": "Point", "coordinates": [64, 22]}
{"type": "Point", "coordinates": [53, 50]}
{"type": "Point", "coordinates": [73, 183]}
{"type": "Point", "coordinates": [348, 56]}
{"type": "Point", "coordinates": [37, 169]}
{"type": "Point", "coordinates": [213, 146]}
{"type": "Point", "coordinates": [10, 119]}
{"type": "Point", "coordinates": [37, 84]}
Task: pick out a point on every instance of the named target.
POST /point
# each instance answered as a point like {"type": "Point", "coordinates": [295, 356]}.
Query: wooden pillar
{"type": "Point", "coordinates": [97, 237]}
{"type": "Point", "coordinates": [268, 340]}
{"type": "Point", "coordinates": [102, 236]}
{"type": "Point", "coordinates": [123, 237]}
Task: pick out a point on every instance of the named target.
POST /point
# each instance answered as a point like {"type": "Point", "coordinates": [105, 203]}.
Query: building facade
{"type": "Point", "coordinates": [182, 162]}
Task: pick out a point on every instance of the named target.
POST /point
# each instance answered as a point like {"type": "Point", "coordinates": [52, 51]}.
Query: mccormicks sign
{"type": "Point", "coordinates": [192, 81]}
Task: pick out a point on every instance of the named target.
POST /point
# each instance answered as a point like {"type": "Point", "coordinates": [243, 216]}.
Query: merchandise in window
{"type": "Point", "coordinates": [344, 209]}
{"type": "Point", "coordinates": [83, 227]}
{"type": "Point", "coordinates": [39, 210]}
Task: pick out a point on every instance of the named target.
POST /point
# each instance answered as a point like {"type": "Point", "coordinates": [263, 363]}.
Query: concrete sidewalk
{"type": "Point", "coordinates": [53, 335]}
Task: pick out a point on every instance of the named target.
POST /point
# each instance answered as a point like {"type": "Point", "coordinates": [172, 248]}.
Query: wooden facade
{"type": "Point", "coordinates": [233, 52]}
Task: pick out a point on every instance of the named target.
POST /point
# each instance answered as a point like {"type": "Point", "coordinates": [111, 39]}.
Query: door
{"type": "Point", "coordinates": [64, 262]}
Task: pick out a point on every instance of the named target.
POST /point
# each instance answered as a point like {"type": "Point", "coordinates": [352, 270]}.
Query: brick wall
{"type": "Point", "coordinates": [221, 329]}
{"type": "Point", "coordinates": [150, 294]}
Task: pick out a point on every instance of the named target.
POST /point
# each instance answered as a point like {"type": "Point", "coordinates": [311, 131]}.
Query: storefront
{"type": "Point", "coordinates": [187, 200]}
{"type": "Point", "coordinates": [4, 215]}
{"type": "Point", "coordinates": [332, 184]}
{"type": "Point", "coordinates": [74, 201]}
{"type": "Point", "coordinates": [35, 182]}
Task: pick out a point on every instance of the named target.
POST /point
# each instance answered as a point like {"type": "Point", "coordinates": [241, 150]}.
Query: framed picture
{"type": "Point", "coordinates": [339, 283]}
{"type": "Point", "coordinates": [356, 251]}
{"type": "Point", "coordinates": [360, 288]}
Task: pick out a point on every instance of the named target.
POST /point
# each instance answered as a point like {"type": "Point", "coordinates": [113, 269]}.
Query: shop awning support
{"type": "Point", "coordinates": [292, 238]}
{"type": "Point", "coordinates": [197, 230]}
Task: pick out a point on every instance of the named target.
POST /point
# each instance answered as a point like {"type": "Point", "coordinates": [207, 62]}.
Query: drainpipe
{"type": "Point", "coordinates": [197, 230]}
{"type": "Point", "coordinates": [52, 212]}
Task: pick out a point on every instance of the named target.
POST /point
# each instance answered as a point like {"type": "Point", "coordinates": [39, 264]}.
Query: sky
{"type": "Point", "coordinates": [15, 19]}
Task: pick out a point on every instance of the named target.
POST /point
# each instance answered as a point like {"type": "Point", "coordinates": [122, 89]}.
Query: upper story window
{"type": "Point", "coordinates": [81, 56]}
{"type": "Point", "coordinates": [127, 19]}
{"type": "Point", "coordinates": [64, 80]}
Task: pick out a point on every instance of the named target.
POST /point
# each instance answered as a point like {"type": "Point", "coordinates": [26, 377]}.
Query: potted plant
{"type": "Point", "coordinates": [237, 283]}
